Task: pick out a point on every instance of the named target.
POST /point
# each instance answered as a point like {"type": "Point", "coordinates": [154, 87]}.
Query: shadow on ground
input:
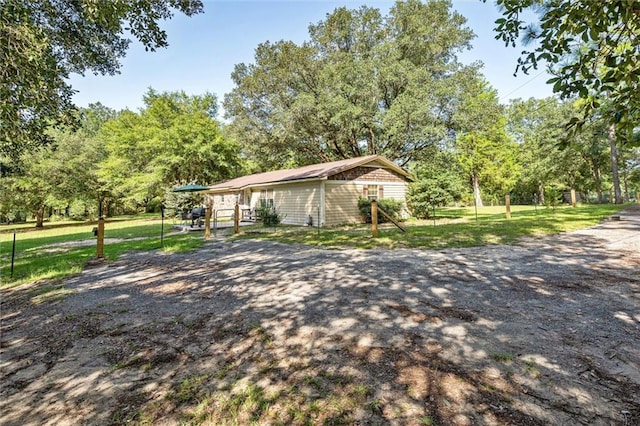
{"type": "Point", "coordinates": [543, 332]}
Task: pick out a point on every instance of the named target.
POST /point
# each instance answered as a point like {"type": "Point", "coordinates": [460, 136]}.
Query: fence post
{"type": "Point", "coordinates": [236, 219]}
{"type": "Point", "coordinates": [162, 225]}
{"type": "Point", "coordinates": [100, 242]}
{"type": "Point", "coordinates": [507, 204]}
{"type": "Point", "coordinates": [374, 218]}
{"type": "Point", "coordinates": [13, 252]}
{"type": "Point", "coordinates": [207, 220]}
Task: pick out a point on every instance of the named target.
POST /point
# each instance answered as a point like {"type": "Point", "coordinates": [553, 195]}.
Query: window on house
{"type": "Point", "coordinates": [266, 197]}
{"type": "Point", "coordinates": [372, 192]}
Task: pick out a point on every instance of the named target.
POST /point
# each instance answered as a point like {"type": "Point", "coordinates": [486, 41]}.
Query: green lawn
{"type": "Point", "coordinates": [42, 254]}
{"type": "Point", "coordinates": [454, 227]}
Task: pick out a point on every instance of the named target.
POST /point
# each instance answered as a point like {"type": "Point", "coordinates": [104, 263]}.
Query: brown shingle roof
{"type": "Point", "coordinates": [314, 171]}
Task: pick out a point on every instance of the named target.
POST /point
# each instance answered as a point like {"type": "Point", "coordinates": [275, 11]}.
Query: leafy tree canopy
{"type": "Point", "coordinates": [363, 84]}
{"type": "Point", "coordinates": [173, 140]}
{"type": "Point", "coordinates": [590, 47]}
{"type": "Point", "coordinates": [43, 41]}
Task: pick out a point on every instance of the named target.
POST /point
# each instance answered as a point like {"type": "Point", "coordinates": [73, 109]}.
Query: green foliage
{"type": "Point", "coordinates": [269, 215]}
{"type": "Point", "coordinates": [44, 41]}
{"type": "Point", "coordinates": [60, 174]}
{"type": "Point", "coordinates": [538, 127]}
{"type": "Point", "coordinates": [592, 51]}
{"type": "Point", "coordinates": [178, 202]}
{"type": "Point", "coordinates": [486, 153]}
{"type": "Point", "coordinates": [426, 194]}
{"type": "Point", "coordinates": [173, 140]}
{"type": "Point", "coordinates": [553, 197]}
{"type": "Point", "coordinates": [362, 84]}
{"type": "Point", "coordinates": [439, 182]}
{"type": "Point", "coordinates": [390, 206]}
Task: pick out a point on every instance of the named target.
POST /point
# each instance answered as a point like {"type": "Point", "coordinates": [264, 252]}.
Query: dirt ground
{"type": "Point", "coordinates": [546, 331]}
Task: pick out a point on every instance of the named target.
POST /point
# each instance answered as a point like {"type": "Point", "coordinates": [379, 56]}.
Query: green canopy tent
{"type": "Point", "coordinates": [192, 187]}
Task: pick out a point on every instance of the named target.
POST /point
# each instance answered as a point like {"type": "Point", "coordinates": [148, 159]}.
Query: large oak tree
{"type": "Point", "coordinates": [363, 84]}
{"type": "Point", "coordinates": [43, 41]}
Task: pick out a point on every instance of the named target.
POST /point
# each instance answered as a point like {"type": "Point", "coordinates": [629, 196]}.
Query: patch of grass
{"type": "Point", "coordinates": [375, 406]}
{"type": "Point", "coordinates": [502, 357]}
{"type": "Point", "coordinates": [49, 293]}
{"type": "Point", "coordinates": [427, 421]}
{"type": "Point", "coordinates": [312, 398]}
{"type": "Point", "coordinates": [492, 227]}
{"type": "Point", "coordinates": [262, 334]}
{"type": "Point", "coordinates": [190, 389]}
{"type": "Point", "coordinates": [532, 368]}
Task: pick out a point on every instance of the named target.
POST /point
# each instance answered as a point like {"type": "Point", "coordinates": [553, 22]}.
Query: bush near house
{"type": "Point", "coordinates": [390, 207]}
{"type": "Point", "coordinates": [269, 214]}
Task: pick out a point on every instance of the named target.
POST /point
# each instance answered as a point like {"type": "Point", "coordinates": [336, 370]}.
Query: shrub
{"type": "Point", "coordinates": [390, 207]}
{"type": "Point", "coordinates": [269, 214]}
{"type": "Point", "coordinates": [427, 193]}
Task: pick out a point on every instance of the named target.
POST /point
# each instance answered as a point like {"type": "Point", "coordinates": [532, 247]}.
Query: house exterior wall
{"type": "Point", "coordinates": [341, 198]}
{"type": "Point", "coordinates": [341, 202]}
{"type": "Point", "coordinates": [226, 203]}
{"type": "Point", "coordinates": [295, 201]}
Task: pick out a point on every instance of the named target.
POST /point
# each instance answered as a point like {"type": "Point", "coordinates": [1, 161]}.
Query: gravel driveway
{"type": "Point", "coordinates": [546, 331]}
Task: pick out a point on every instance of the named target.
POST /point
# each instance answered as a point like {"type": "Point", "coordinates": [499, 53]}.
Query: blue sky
{"type": "Point", "coordinates": [203, 50]}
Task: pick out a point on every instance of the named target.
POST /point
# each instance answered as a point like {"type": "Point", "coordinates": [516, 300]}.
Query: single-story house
{"type": "Point", "coordinates": [327, 192]}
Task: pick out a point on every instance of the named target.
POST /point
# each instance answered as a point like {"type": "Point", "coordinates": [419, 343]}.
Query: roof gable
{"type": "Point", "coordinates": [314, 171]}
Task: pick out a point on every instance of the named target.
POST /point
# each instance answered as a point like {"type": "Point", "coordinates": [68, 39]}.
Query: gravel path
{"type": "Point", "coordinates": [546, 331]}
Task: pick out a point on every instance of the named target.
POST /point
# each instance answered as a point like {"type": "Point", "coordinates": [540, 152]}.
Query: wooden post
{"type": "Point", "coordinates": [374, 218]}
{"type": "Point", "coordinates": [507, 204]}
{"type": "Point", "coordinates": [236, 220]}
{"type": "Point", "coordinates": [638, 197]}
{"type": "Point", "coordinates": [573, 197]}
{"type": "Point", "coordinates": [100, 243]}
{"type": "Point", "coordinates": [207, 220]}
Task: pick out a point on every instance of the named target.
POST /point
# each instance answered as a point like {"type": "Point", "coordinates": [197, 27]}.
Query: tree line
{"type": "Point", "coordinates": [363, 83]}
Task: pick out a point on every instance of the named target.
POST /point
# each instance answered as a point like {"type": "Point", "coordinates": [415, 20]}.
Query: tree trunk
{"type": "Point", "coordinates": [614, 165]}
{"type": "Point", "coordinates": [540, 193]}
{"type": "Point", "coordinates": [598, 179]}
{"type": "Point", "coordinates": [625, 183]}
{"type": "Point", "coordinates": [476, 190]}
{"type": "Point", "coordinates": [40, 216]}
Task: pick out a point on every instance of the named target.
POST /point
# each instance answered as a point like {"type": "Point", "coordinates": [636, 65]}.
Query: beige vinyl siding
{"type": "Point", "coordinates": [342, 199]}
{"type": "Point", "coordinates": [396, 191]}
{"type": "Point", "coordinates": [294, 202]}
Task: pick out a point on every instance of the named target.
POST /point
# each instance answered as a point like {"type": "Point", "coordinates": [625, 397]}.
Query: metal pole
{"type": "Point", "coordinates": [162, 230]}
{"type": "Point", "coordinates": [475, 204]}
{"type": "Point", "coordinates": [318, 221]}
{"type": "Point", "coordinates": [13, 253]}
